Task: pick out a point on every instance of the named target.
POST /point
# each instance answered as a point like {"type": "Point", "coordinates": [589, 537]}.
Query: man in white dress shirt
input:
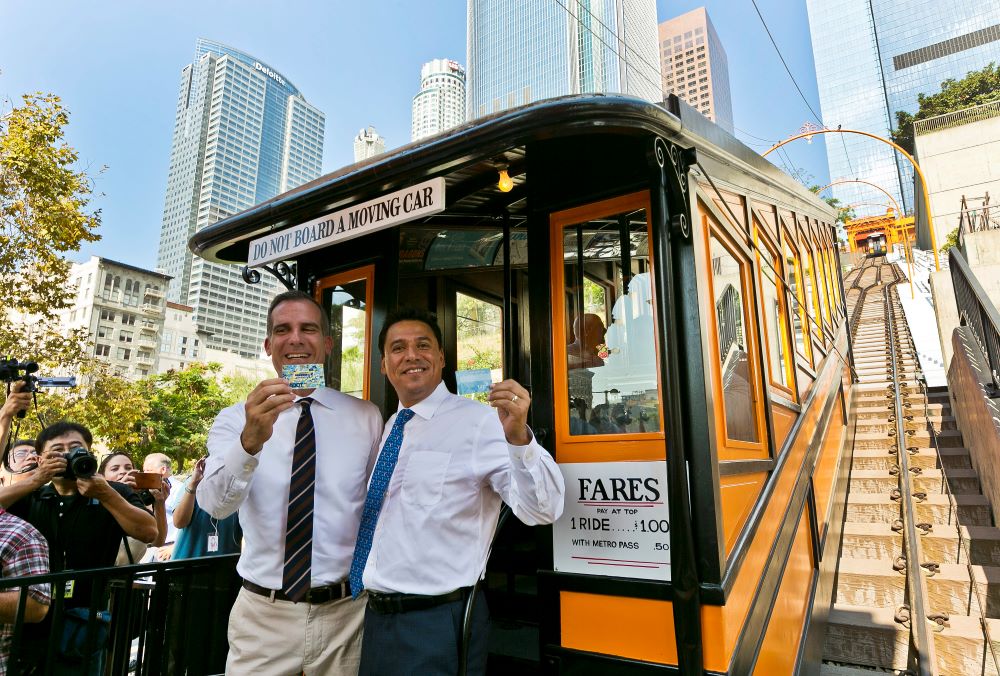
{"type": "Point", "coordinates": [445, 464]}
{"type": "Point", "coordinates": [294, 463]}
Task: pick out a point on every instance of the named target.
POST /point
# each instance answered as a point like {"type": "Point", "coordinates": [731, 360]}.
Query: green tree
{"type": "Point", "coordinates": [182, 406]}
{"type": "Point", "coordinates": [43, 215]}
{"type": "Point", "coordinates": [950, 241]}
{"type": "Point", "coordinates": [109, 405]}
{"type": "Point", "coordinates": [976, 88]}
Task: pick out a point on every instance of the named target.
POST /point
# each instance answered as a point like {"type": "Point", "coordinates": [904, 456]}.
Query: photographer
{"type": "Point", "coordinates": [16, 401]}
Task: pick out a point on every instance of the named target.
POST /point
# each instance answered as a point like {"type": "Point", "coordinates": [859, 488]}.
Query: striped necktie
{"type": "Point", "coordinates": [299, 531]}
{"type": "Point", "coordinates": [376, 495]}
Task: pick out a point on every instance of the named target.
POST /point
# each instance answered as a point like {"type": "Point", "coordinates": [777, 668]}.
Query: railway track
{"type": "Point", "coordinates": [918, 579]}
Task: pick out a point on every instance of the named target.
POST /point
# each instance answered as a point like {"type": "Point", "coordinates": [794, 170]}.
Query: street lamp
{"type": "Point", "coordinates": [812, 131]}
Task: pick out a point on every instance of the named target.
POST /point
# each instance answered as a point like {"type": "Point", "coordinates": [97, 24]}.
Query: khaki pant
{"type": "Point", "coordinates": [281, 638]}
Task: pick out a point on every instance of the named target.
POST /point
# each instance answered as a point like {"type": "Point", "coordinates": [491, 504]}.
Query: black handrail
{"type": "Point", "coordinates": [177, 611]}
{"type": "Point", "coordinates": [730, 316]}
{"type": "Point", "coordinates": [979, 313]}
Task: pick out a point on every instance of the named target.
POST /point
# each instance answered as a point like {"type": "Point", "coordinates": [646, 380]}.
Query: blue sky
{"type": "Point", "coordinates": [117, 63]}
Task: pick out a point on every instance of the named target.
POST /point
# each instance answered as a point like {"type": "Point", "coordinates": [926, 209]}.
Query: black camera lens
{"type": "Point", "coordinates": [80, 463]}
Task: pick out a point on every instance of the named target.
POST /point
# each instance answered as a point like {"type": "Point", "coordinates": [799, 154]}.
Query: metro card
{"type": "Point", "coordinates": [473, 381]}
{"type": "Point", "coordinates": [303, 376]}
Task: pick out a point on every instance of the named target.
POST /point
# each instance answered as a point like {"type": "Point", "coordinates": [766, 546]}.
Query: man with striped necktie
{"type": "Point", "coordinates": [295, 464]}
{"type": "Point", "coordinates": [445, 465]}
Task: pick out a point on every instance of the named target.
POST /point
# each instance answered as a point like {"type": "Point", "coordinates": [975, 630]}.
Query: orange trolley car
{"type": "Point", "coordinates": [675, 305]}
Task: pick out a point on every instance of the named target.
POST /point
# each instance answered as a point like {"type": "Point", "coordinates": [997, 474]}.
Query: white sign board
{"type": "Point", "coordinates": [383, 212]}
{"type": "Point", "coordinates": [616, 520]}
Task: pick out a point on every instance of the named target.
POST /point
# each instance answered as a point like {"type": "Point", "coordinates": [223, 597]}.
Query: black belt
{"type": "Point", "coordinates": [404, 603]}
{"type": "Point", "coordinates": [314, 596]}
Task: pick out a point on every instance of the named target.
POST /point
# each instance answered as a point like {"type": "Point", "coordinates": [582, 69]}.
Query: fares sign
{"type": "Point", "coordinates": [383, 212]}
{"type": "Point", "coordinates": [616, 521]}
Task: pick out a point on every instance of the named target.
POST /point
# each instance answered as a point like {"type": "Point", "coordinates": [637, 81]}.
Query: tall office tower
{"type": "Point", "coordinates": [525, 51]}
{"type": "Point", "coordinates": [695, 67]}
{"type": "Point", "coordinates": [440, 103]}
{"type": "Point", "coordinates": [368, 143]}
{"type": "Point", "coordinates": [242, 134]}
{"type": "Point", "coordinates": [873, 58]}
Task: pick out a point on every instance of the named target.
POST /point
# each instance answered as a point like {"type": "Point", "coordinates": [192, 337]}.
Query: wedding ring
{"type": "Point", "coordinates": [513, 399]}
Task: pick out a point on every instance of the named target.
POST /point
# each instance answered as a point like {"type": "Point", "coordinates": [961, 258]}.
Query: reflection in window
{"type": "Point", "coordinates": [611, 360]}
{"type": "Point", "coordinates": [479, 327]}
{"type": "Point", "coordinates": [774, 317]}
{"type": "Point", "coordinates": [792, 277]}
{"type": "Point", "coordinates": [345, 367]}
{"type": "Point", "coordinates": [727, 282]}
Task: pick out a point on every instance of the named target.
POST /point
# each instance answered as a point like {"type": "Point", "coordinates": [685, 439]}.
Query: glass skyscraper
{"type": "Point", "coordinates": [440, 103]}
{"type": "Point", "coordinates": [242, 134]}
{"type": "Point", "coordinates": [519, 52]}
{"type": "Point", "coordinates": [873, 58]}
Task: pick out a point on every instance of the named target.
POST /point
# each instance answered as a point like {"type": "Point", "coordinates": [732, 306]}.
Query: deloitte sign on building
{"type": "Point", "coordinates": [270, 73]}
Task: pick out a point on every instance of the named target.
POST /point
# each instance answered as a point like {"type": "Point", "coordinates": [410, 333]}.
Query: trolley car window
{"type": "Point", "coordinates": [729, 294]}
{"type": "Point", "coordinates": [346, 298]}
{"type": "Point", "coordinates": [793, 276]}
{"type": "Point", "coordinates": [774, 314]}
{"type": "Point", "coordinates": [610, 361]}
{"type": "Point", "coordinates": [479, 328]}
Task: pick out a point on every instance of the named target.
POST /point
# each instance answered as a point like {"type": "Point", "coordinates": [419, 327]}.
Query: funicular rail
{"type": "Point", "coordinates": [919, 553]}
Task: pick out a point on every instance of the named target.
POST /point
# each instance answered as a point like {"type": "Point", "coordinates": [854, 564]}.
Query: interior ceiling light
{"type": "Point", "coordinates": [505, 183]}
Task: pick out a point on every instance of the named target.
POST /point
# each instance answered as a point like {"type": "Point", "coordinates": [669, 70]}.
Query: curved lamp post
{"type": "Point", "coordinates": [923, 181]}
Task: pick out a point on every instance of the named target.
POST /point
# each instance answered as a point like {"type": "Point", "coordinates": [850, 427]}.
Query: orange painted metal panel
{"type": "Point", "coordinates": [738, 493]}
{"type": "Point", "coordinates": [721, 625]}
{"type": "Point", "coordinates": [366, 273]}
{"type": "Point", "coordinates": [784, 630]}
{"type": "Point", "coordinates": [640, 629]}
{"type": "Point", "coordinates": [782, 419]}
{"type": "Point", "coordinates": [826, 466]}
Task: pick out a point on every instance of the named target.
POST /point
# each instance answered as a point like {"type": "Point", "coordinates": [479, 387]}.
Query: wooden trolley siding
{"type": "Point", "coordinates": [750, 542]}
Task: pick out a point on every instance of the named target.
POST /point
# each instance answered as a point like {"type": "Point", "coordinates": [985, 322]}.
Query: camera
{"type": "Point", "coordinates": [12, 370]}
{"type": "Point", "coordinates": [80, 463]}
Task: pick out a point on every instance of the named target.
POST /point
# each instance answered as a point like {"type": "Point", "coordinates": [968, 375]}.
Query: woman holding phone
{"type": "Point", "coordinates": [154, 490]}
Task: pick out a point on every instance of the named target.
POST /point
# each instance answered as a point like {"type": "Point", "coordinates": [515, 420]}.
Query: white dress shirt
{"type": "Point", "coordinates": [347, 441]}
{"type": "Point", "coordinates": [441, 506]}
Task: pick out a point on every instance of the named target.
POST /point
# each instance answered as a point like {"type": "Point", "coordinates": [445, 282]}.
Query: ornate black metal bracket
{"type": "Point", "coordinates": [285, 273]}
{"type": "Point", "coordinates": [673, 162]}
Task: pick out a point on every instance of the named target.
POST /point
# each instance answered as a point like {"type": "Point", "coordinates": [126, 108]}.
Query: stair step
{"type": "Point", "coordinates": [961, 647]}
{"type": "Point", "coordinates": [960, 481]}
{"type": "Point", "coordinates": [949, 590]}
{"type": "Point", "coordinates": [866, 636]}
{"type": "Point", "coordinates": [969, 510]}
{"type": "Point", "coordinates": [871, 583]}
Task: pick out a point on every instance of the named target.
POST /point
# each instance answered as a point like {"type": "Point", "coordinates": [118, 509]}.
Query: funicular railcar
{"type": "Point", "coordinates": [674, 303]}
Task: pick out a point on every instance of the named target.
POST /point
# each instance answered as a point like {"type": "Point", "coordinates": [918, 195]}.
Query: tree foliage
{"type": "Point", "coordinates": [182, 406]}
{"type": "Point", "coordinates": [43, 215]}
{"type": "Point", "coordinates": [976, 88]}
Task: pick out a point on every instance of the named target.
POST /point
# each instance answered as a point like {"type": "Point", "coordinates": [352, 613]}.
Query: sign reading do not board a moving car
{"type": "Point", "coordinates": [616, 521]}
{"type": "Point", "coordinates": [382, 212]}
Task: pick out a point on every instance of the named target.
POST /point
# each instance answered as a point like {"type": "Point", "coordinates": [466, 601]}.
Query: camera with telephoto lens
{"type": "Point", "coordinates": [80, 463]}
{"type": "Point", "coordinates": [12, 370]}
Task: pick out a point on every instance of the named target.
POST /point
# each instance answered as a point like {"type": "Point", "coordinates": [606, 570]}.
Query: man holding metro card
{"type": "Point", "coordinates": [294, 459]}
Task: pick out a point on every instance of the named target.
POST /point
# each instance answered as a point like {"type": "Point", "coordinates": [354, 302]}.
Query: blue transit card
{"type": "Point", "coordinates": [473, 381]}
{"type": "Point", "coordinates": [303, 376]}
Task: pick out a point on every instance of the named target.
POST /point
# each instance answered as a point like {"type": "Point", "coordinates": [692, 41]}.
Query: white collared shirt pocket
{"type": "Point", "coordinates": [423, 478]}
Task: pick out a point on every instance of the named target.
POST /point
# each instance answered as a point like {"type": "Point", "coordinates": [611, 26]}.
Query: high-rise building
{"type": "Point", "coordinates": [525, 51]}
{"type": "Point", "coordinates": [440, 104]}
{"type": "Point", "coordinates": [368, 143]}
{"type": "Point", "coordinates": [122, 309]}
{"type": "Point", "coordinates": [873, 58]}
{"type": "Point", "coordinates": [695, 67]}
{"type": "Point", "coordinates": [242, 134]}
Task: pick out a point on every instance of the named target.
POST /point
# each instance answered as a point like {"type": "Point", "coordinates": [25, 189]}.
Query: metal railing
{"type": "Point", "coordinates": [979, 313]}
{"type": "Point", "coordinates": [956, 119]}
{"type": "Point", "coordinates": [730, 315]}
{"type": "Point", "coordinates": [170, 618]}
{"type": "Point", "coordinates": [972, 219]}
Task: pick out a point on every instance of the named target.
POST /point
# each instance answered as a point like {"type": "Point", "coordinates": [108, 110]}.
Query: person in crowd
{"type": "Point", "coordinates": [16, 401]}
{"type": "Point", "coordinates": [163, 507]}
{"type": "Point", "coordinates": [21, 459]}
{"type": "Point", "coordinates": [23, 551]}
{"type": "Point", "coordinates": [445, 464]}
{"type": "Point", "coordinates": [83, 519]}
{"type": "Point", "coordinates": [295, 464]}
{"type": "Point", "coordinates": [119, 467]}
{"type": "Point", "coordinates": [198, 532]}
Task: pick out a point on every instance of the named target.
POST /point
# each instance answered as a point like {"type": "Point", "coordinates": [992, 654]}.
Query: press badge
{"type": "Point", "coordinates": [68, 592]}
{"type": "Point", "coordinates": [303, 376]}
{"type": "Point", "coordinates": [213, 543]}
